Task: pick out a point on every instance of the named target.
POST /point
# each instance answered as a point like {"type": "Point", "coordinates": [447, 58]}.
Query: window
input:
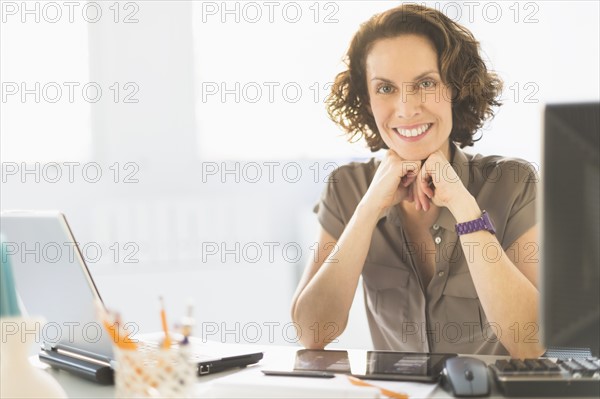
{"type": "Point", "coordinates": [46, 90]}
{"type": "Point", "coordinates": [263, 70]}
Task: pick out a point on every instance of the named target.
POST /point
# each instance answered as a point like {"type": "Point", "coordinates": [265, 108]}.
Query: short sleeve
{"type": "Point", "coordinates": [328, 208]}
{"type": "Point", "coordinates": [522, 215]}
{"type": "Point", "coordinates": [342, 194]}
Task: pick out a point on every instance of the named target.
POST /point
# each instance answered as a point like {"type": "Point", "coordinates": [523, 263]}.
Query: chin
{"type": "Point", "coordinates": [418, 155]}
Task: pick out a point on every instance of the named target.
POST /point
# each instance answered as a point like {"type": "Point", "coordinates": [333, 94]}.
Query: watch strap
{"type": "Point", "coordinates": [482, 223]}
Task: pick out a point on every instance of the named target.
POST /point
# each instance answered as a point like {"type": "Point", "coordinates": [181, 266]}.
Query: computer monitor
{"type": "Point", "coordinates": [570, 242]}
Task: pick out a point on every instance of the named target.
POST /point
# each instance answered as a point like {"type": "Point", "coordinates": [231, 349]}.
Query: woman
{"type": "Point", "coordinates": [443, 239]}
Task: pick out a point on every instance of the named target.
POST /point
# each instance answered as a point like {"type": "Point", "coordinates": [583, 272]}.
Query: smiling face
{"type": "Point", "coordinates": [411, 105]}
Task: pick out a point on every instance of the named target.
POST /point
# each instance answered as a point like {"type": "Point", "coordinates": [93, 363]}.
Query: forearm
{"type": "Point", "coordinates": [509, 300]}
{"type": "Point", "coordinates": [326, 300]}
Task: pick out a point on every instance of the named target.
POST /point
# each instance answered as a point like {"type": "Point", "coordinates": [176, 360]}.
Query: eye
{"type": "Point", "coordinates": [428, 84]}
{"type": "Point", "coordinates": [385, 89]}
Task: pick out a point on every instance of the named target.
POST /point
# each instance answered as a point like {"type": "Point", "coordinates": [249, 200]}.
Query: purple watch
{"type": "Point", "coordinates": [482, 223]}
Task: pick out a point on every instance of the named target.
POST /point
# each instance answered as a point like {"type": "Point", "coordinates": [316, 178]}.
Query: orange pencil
{"type": "Point", "coordinates": [113, 326]}
{"type": "Point", "coordinates": [165, 327]}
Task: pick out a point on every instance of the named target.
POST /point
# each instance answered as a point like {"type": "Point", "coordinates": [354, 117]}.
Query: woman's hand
{"type": "Point", "coordinates": [439, 183]}
{"type": "Point", "coordinates": [392, 183]}
{"type": "Point", "coordinates": [422, 201]}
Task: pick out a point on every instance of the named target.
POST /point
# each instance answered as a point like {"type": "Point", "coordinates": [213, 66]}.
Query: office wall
{"type": "Point", "coordinates": [175, 210]}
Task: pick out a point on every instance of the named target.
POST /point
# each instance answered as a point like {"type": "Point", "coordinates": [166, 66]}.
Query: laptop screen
{"type": "Point", "coordinates": [53, 282]}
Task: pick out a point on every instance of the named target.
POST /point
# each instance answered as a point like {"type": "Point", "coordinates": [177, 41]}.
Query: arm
{"type": "Point", "coordinates": [326, 290]}
{"type": "Point", "coordinates": [506, 285]}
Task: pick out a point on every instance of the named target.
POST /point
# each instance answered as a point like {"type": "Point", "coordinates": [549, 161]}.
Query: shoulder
{"type": "Point", "coordinates": [355, 176]}
{"type": "Point", "coordinates": [347, 184]}
{"type": "Point", "coordinates": [501, 171]}
{"type": "Point", "coordinates": [507, 188]}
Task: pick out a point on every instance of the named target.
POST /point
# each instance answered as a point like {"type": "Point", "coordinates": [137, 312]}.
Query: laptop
{"type": "Point", "coordinates": [53, 281]}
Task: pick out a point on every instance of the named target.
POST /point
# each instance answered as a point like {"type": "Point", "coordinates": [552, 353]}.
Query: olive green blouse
{"type": "Point", "coordinates": [446, 315]}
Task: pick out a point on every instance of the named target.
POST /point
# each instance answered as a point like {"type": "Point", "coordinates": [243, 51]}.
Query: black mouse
{"type": "Point", "coordinates": [466, 376]}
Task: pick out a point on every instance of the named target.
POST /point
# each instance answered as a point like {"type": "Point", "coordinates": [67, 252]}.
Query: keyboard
{"type": "Point", "coordinates": [547, 378]}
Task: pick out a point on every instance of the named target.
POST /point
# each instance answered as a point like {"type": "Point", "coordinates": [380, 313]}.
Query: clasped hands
{"type": "Point", "coordinates": [432, 180]}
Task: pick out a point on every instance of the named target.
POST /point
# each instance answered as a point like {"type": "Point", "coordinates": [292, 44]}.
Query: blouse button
{"type": "Point", "coordinates": [441, 274]}
{"type": "Point", "coordinates": [438, 240]}
{"type": "Point", "coordinates": [436, 227]}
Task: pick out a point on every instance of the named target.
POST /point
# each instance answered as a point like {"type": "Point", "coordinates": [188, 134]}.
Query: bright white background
{"type": "Point", "coordinates": [198, 157]}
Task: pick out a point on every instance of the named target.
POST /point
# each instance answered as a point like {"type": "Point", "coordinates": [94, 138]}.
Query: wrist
{"type": "Point", "coordinates": [466, 209]}
{"type": "Point", "coordinates": [369, 211]}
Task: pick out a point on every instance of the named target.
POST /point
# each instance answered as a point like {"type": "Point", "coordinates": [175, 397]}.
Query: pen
{"type": "Point", "coordinates": [187, 323]}
{"type": "Point", "coordinates": [163, 318]}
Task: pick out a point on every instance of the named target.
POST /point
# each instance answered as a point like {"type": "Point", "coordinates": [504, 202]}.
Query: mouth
{"type": "Point", "coordinates": [414, 133]}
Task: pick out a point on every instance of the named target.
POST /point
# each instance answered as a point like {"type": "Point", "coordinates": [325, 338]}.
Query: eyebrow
{"type": "Point", "coordinates": [416, 78]}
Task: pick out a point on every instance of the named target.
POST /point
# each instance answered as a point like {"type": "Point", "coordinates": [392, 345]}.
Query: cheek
{"type": "Point", "coordinates": [447, 103]}
{"type": "Point", "coordinates": [448, 112]}
{"type": "Point", "coordinates": [380, 109]}
{"type": "Point", "coordinates": [443, 109]}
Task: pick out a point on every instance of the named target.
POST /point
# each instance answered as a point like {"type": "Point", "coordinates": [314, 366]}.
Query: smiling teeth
{"type": "Point", "coordinates": [414, 132]}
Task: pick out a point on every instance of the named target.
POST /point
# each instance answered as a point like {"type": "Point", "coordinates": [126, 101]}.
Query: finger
{"type": "Point", "coordinates": [429, 189]}
{"type": "Point", "coordinates": [410, 166]}
{"type": "Point", "coordinates": [427, 182]}
{"type": "Point", "coordinates": [411, 195]}
{"type": "Point", "coordinates": [415, 188]}
{"type": "Point", "coordinates": [409, 178]}
{"type": "Point", "coordinates": [422, 197]}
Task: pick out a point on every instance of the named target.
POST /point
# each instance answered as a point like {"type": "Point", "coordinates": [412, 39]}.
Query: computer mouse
{"type": "Point", "coordinates": [466, 376]}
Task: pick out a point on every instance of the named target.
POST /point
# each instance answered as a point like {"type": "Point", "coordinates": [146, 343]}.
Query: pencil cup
{"type": "Point", "coordinates": [154, 372]}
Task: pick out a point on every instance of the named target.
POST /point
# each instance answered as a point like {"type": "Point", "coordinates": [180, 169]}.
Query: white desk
{"type": "Point", "coordinates": [276, 357]}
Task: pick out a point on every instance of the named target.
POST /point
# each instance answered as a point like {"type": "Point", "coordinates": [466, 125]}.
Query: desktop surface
{"type": "Point", "coordinates": [276, 358]}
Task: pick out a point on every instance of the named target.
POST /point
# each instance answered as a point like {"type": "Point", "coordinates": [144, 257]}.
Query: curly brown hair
{"type": "Point", "coordinates": [475, 89]}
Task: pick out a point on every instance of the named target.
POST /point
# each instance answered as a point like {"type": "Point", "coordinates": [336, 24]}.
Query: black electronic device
{"type": "Point", "coordinates": [466, 376]}
{"type": "Point", "coordinates": [378, 365]}
{"type": "Point", "coordinates": [333, 361]}
{"type": "Point", "coordinates": [570, 260]}
{"type": "Point", "coordinates": [547, 378]}
{"type": "Point", "coordinates": [405, 366]}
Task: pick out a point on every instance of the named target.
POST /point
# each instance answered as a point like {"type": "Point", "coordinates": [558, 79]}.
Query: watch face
{"type": "Point", "coordinates": [488, 222]}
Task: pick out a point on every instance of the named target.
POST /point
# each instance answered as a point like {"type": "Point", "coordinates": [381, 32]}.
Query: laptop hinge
{"type": "Point", "coordinates": [78, 354]}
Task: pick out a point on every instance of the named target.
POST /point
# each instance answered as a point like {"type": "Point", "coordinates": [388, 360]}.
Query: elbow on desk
{"type": "Point", "coordinates": [315, 334]}
{"type": "Point", "coordinates": [532, 351]}
{"type": "Point", "coordinates": [314, 327]}
{"type": "Point", "coordinates": [309, 344]}
{"type": "Point", "coordinates": [319, 334]}
{"type": "Point", "coordinates": [314, 339]}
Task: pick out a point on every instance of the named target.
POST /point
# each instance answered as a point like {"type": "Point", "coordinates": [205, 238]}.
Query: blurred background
{"type": "Point", "coordinates": [187, 141]}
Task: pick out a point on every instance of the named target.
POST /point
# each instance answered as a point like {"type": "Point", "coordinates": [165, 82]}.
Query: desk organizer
{"type": "Point", "coordinates": [151, 371]}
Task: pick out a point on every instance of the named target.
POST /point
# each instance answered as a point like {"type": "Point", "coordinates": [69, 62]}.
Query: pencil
{"type": "Point", "coordinates": [112, 325]}
{"type": "Point", "coordinates": [165, 327]}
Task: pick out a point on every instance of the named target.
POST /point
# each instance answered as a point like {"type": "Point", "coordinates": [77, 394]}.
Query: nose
{"type": "Point", "coordinates": [408, 104]}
